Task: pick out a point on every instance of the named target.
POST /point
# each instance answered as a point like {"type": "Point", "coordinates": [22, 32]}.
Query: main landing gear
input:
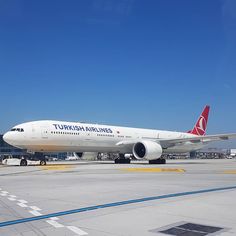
{"type": "Point", "coordinates": [122, 160]}
{"type": "Point", "coordinates": [158, 161]}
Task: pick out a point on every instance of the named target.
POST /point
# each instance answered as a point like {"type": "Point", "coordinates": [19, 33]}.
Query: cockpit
{"type": "Point", "coordinates": [17, 129]}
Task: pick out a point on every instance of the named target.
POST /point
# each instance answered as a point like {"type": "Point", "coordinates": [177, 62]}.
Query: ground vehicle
{"type": "Point", "coordinates": [23, 161]}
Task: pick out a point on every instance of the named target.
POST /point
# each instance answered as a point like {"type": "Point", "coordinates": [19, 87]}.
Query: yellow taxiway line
{"type": "Point", "coordinates": [56, 167]}
{"type": "Point", "coordinates": [229, 172]}
{"type": "Point", "coordinates": [153, 170]}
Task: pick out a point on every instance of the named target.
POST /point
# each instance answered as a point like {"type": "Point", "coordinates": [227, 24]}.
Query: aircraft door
{"type": "Point", "coordinates": [44, 132]}
{"type": "Point", "coordinates": [34, 132]}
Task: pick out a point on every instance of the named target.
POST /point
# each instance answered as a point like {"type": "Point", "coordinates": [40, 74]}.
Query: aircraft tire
{"type": "Point", "coordinates": [158, 161]}
{"type": "Point", "coordinates": [122, 161]}
{"type": "Point", "coordinates": [43, 163]}
{"type": "Point", "coordinates": [23, 162]}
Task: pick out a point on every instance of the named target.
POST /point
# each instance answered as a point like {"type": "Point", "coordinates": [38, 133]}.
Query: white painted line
{"type": "Point", "coordinates": [22, 201]}
{"type": "Point", "coordinates": [54, 218]}
{"type": "Point", "coordinates": [35, 208]}
{"type": "Point", "coordinates": [11, 199]}
{"type": "Point", "coordinates": [77, 230]}
{"type": "Point", "coordinates": [22, 205]}
{"type": "Point", "coordinates": [0, 189]}
{"type": "Point", "coordinates": [5, 192]}
{"type": "Point", "coordinates": [12, 196]}
{"type": "Point", "coordinates": [35, 213]}
{"type": "Point", "coordinates": [55, 224]}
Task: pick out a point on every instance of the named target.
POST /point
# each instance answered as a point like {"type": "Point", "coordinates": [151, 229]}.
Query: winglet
{"type": "Point", "coordinates": [201, 125]}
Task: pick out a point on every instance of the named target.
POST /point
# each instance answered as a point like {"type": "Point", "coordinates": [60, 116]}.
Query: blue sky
{"type": "Point", "coordinates": [151, 64]}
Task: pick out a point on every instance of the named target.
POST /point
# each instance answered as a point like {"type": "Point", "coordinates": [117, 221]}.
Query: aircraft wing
{"type": "Point", "coordinates": [165, 143]}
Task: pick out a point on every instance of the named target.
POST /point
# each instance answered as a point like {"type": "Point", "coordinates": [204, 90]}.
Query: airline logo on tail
{"type": "Point", "coordinates": [201, 125]}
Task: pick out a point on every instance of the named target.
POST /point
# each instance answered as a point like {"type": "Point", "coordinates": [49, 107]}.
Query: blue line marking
{"type": "Point", "coordinates": [114, 204]}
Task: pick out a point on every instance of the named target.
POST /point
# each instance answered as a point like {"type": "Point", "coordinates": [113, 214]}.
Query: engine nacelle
{"type": "Point", "coordinates": [147, 150]}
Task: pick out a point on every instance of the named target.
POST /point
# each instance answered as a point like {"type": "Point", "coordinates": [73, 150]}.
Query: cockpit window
{"type": "Point", "coordinates": [17, 129]}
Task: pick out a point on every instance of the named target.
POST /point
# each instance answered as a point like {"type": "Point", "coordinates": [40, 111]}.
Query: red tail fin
{"type": "Point", "coordinates": [201, 125]}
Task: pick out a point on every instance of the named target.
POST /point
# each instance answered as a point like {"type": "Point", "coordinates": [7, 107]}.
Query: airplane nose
{"type": "Point", "coordinates": [6, 138]}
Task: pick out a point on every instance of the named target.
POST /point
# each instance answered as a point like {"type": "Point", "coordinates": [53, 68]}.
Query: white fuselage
{"type": "Point", "coordinates": [60, 136]}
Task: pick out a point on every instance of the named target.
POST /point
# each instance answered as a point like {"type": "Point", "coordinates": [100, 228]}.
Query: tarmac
{"type": "Point", "coordinates": [183, 197]}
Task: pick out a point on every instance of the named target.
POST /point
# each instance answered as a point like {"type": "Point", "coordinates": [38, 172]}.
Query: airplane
{"type": "Point", "coordinates": [63, 136]}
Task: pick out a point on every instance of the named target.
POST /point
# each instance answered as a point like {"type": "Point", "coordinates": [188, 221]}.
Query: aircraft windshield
{"type": "Point", "coordinates": [17, 129]}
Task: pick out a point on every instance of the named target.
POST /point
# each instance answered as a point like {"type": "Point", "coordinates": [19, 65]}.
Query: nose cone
{"type": "Point", "coordinates": [7, 138]}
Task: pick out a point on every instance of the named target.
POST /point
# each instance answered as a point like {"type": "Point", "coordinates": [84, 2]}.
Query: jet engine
{"type": "Point", "coordinates": [147, 150]}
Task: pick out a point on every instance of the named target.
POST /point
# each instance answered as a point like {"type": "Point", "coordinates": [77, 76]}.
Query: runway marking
{"type": "Point", "coordinates": [11, 199]}
{"type": "Point", "coordinates": [55, 224]}
{"type": "Point", "coordinates": [4, 192]}
{"type": "Point", "coordinates": [114, 204]}
{"type": "Point", "coordinates": [230, 172]}
{"type": "Point", "coordinates": [22, 201]}
{"type": "Point", "coordinates": [35, 208]}
{"type": "Point", "coordinates": [22, 205]}
{"type": "Point", "coordinates": [36, 213]}
{"type": "Point", "coordinates": [56, 167]}
{"type": "Point", "coordinates": [77, 230]}
{"type": "Point", "coordinates": [153, 170]}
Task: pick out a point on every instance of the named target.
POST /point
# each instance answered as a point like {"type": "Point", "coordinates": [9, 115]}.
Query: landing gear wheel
{"type": "Point", "coordinates": [23, 162]}
{"type": "Point", "coordinates": [122, 161]}
{"type": "Point", "coordinates": [43, 163]}
{"type": "Point", "coordinates": [158, 161]}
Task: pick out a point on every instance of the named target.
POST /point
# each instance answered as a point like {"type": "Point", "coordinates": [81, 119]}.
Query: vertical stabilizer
{"type": "Point", "coordinates": [201, 125]}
